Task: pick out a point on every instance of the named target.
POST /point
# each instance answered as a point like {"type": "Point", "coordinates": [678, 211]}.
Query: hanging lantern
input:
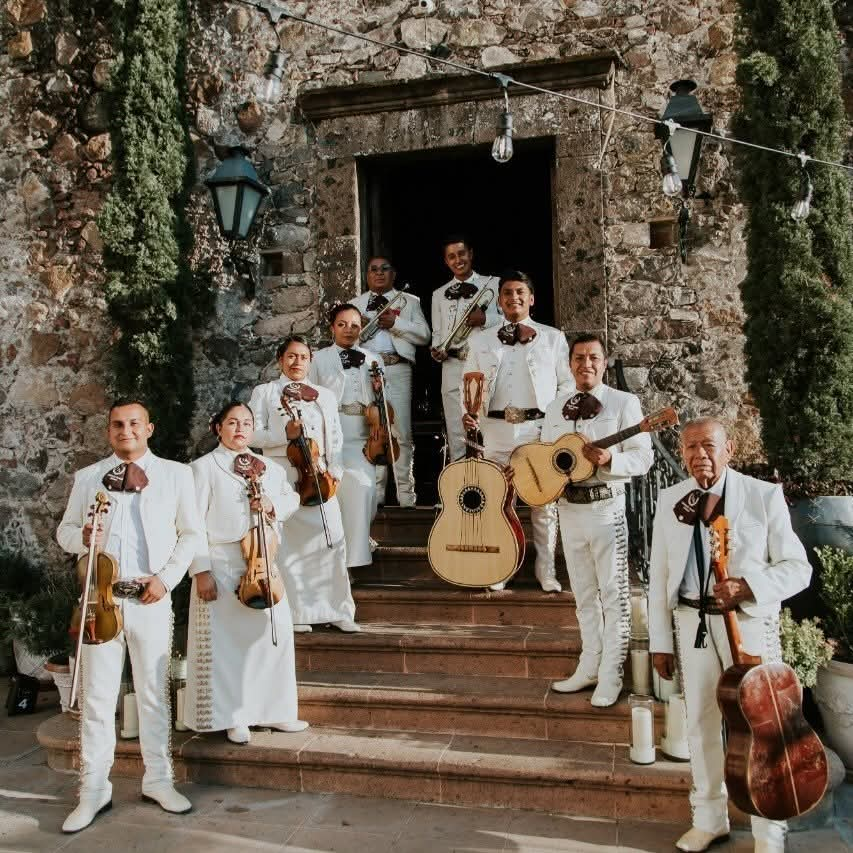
{"type": "Point", "coordinates": [237, 194]}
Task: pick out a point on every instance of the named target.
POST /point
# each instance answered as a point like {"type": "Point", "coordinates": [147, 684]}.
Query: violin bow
{"type": "Point", "coordinates": [262, 541]}
{"type": "Point", "coordinates": [381, 374]}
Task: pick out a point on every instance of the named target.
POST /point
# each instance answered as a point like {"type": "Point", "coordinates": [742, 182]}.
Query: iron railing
{"type": "Point", "coordinates": [641, 495]}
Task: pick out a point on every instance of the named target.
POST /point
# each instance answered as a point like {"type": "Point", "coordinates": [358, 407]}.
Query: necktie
{"type": "Point", "coordinates": [376, 302]}
{"type": "Point", "coordinates": [581, 407]}
{"type": "Point", "coordinates": [698, 505]}
{"type": "Point", "coordinates": [126, 477]}
{"type": "Point", "coordinates": [248, 466]}
{"type": "Point", "coordinates": [351, 358]}
{"type": "Point", "coordinates": [461, 290]}
{"type": "Point", "coordinates": [298, 391]}
{"type": "Point", "coordinates": [515, 333]}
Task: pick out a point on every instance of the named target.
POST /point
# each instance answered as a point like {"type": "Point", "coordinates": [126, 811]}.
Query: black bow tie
{"type": "Point", "coordinates": [125, 477]}
{"type": "Point", "coordinates": [515, 333]}
{"type": "Point", "coordinates": [376, 302]}
{"type": "Point", "coordinates": [351, 358]}
{"type": "Point", "coordinates": [697, 504]}
{"type": "Point", "coordinates": [461, 290]}
{"type": "Point", "coordinates": [581, 406]}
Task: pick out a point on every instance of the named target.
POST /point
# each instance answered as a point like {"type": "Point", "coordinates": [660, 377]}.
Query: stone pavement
{"type": "Point", "coordinates": [34, 801]}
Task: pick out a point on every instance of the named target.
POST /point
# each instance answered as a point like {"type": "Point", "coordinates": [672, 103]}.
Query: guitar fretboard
{"type": "Point", "coordinates": [619, 436]}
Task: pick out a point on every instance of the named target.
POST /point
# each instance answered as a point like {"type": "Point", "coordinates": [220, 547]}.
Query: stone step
{"type": "Point", "coordinates": [495, 650]}
{"type": "Point", "coordinates": [432, 602]}
{"type": "Point", "coordinates": [506, 707]}
{"type": "Point", "coordinates": [590, 779]}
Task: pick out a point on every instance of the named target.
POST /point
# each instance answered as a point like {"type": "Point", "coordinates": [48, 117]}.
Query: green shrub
{"type": "Point", "coordinates": [804, 647]}
{"type": "Point", "coordinates": [836, 592]}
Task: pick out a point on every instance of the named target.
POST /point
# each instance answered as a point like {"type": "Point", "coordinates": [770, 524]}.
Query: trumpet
{"type": "Point", "coordinates": [460, 332]}
{"type": "Point", "coordinates": [373, 326]}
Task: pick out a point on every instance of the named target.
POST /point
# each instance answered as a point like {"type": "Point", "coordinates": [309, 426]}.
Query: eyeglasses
{"type": "Point", "coordinates": [380, 268]}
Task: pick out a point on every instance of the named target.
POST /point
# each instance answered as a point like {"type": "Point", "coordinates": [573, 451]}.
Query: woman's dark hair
{"type": "Point", "coordinates": [340, 308]}
{"type": "Point", "coordinates": [292, 339]}
{"type": "Point", "coordinates": [515, 275]}
{"type": "Point", "coordinates": [219, 418]}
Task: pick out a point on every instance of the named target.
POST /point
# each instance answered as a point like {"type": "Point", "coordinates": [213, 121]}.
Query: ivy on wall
{"type": "Point", "coordinates": [799, 285]}
{"type": "Point", "coordinates": [152, 295]}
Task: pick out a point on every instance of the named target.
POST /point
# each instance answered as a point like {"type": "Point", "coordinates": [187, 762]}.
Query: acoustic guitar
{"type": "Point", "coordinates": [477, 539]}
{"type": "Point", "coordinates": [775, 764]}
{"type": "Point", "coordinates": [542, 469]}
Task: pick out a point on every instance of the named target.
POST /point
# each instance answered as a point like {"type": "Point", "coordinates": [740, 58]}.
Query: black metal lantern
{"type": "Point", "coordinates": [237, 193]}
{"type": "Point", "coordinates": [683, 146]}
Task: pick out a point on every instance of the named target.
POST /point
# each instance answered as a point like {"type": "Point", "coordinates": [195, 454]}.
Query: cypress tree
{"type": "Point", "coordinates": [799, 284]}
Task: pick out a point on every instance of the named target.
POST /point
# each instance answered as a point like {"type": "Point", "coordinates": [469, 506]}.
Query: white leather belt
{"type": "Point", "coordinates": [352, 408]}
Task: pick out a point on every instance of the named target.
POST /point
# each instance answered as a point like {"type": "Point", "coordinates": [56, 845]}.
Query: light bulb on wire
{"type": "Point", "coordinates": [502, 146]}
{"type": "Point", "coordinates": [274, 73]}
{"type": "Point", "coordinates": [803, 206]}
{"type": "Point", "coordinates": [671, 179]}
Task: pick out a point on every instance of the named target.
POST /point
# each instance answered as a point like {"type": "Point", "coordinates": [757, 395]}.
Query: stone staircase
{"type": "Point", "coordinates": [444, 697]}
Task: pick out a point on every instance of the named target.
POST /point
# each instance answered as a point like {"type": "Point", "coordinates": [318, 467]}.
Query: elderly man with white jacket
{"type": "Point", "coordinates": [153, 530]}
{"type": "Point", "coordinates": [767, 564]}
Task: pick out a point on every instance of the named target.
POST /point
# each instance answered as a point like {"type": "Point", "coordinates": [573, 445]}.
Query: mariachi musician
{"type": "Point", "coordinates": [393, 325]}
{"type": "Point", "coordinates": [241, 668]}
{"type": "Point", "coordinates": [767, 565]}
{"type": "Point", "coordinates": [526, 365]}
{"type": "Point", "coordinates": [457, 302]}
{"type": "Point", "coordinates": [344, 368]}
{"type": "Point", "coordinates": [153, 530]}
{"type": "Point", "coordinates": [314, 561]}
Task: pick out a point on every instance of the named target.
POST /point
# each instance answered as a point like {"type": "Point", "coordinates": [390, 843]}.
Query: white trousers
{"type": "Point", "coordinates": [700, 670]}
{"type": "Point", "coordinates": [499, 440]}
{"type": "Point", "coordinates": [147, 634]}
{"type": "Point", "coordinates": [357, 491]}
{"type": "Point", "coordinates": [398, 387]}
{"type": "Point", "coordinates": [451, 400]}
{"type": "Point", "coordinates": [595, 543]}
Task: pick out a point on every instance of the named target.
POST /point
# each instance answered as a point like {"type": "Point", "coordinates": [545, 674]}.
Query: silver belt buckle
{"type": "Point", "coordinates": [352, 408]}
{"type": "Point", "coordinates": [514, 415]}
{"type": "Point", "coordinates": [462, 352]}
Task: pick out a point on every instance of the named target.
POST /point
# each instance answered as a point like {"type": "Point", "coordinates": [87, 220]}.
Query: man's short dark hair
{"type": "Point", "coordinates": [450, 239]}
{"type": "Point", "coordinates": [377, 255]}
{"type": "Point", "coordinates": [588, 338]}
{"type": "Point", "coordinates": [340, 308]}
{"type": "Point", "coordinates": [515, 275]}
{"type": "Point", "coordinates": [281, 349]}
{"type": "Point", "coordinates": [128, 401]}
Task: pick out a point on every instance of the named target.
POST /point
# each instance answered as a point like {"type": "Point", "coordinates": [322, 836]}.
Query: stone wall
{"type": "Point", "coordinates": [677, 326]}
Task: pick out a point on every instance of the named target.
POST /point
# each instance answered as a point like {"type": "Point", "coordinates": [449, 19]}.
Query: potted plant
{"type": "Point", "coordinates": [834, 690]}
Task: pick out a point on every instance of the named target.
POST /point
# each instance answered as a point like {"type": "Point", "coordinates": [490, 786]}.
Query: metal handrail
{"type": "Point", "coordinates": [641, 494]}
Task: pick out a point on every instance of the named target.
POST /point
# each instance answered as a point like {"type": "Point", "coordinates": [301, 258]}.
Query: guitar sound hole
{"type": "Point", "coordinates": [472, 499]}
{"type": "Point", "coordinates": [564, 461]}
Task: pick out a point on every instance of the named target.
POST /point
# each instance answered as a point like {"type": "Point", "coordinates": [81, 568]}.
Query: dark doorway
{"type": "Point", "coordinates": [410, 202]}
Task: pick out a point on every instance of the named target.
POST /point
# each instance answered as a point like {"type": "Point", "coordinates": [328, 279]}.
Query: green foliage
{"type": "Point", "coordinates": [804, 647]}
{"type": "Point", "coordinates": [836, 592]}
{"type": "Point", "coordinates": [799, 284]}
{"type": "Point", "coordinates": [150, 290]}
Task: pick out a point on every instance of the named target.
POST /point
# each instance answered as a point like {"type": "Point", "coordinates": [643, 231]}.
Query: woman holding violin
{"type": "Point", "coordinates": [297, 425]}
{"type": "Point", "coordinates": [344, 368]}
{"type": "Point", "coordinates": [240, 650]}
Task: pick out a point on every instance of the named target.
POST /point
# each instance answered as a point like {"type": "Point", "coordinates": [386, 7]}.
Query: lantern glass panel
{"type": "Point", "coordinates": [251, 200]}
{"type": "Point", "coordinates": [226, 198]}
{"type": "Point", "coordinates": [683, 144]}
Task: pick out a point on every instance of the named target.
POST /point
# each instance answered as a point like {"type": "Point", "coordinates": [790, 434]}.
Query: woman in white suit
{"type": "Point", "coordinates": [315, 573]}
{"type": "Point", "coordinates": [237, 677]}
{"type": "Point", "coordinates": [344, 368]}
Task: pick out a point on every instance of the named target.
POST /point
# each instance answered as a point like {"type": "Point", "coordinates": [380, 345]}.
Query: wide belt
{"type": "Point", "coordinates": [589, 494]}
{"type": "Point", "coordinates": [513, 415]}
{"type": "Point", "coordinates": [352, 409]}
{"type": "Point", "coordinates": [128, 589]}
{"type": "Point", "coordinates": [711, 606]}
{"type": "Point", "coordinates": [393, 358]}
{"type": "Point", "coordinates": [461, 353]}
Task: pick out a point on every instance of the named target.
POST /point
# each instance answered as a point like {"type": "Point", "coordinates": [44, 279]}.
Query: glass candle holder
{"type": "Point", "coordinates": [641, 667]}
{"type": "Point", "coordinates": [178, 685]}
{"type": "Point", "coordinates": [642, 729]}
{"type": "Point", "coordinates": [639, 613]}
{"type": "Point", "coordinates": [129, 717]}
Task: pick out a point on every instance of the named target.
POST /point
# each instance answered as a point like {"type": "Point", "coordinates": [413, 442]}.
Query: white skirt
{"type": "Point", "coordinates": [357, 491]}
{"type": "Point", "coordinates": [235, 675]}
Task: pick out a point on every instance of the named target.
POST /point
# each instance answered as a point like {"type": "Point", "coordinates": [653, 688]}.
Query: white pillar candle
{"type": "Point", "coordinates": [641, 676]}
{"type": "Point", "coordinates": [130, 717]}
{"type": "Point", "coordinates": [179, 710]}
{"type": "Point", "coordinates": [639, 615]}
{"type": "Point", "coordinates": [642, 736]}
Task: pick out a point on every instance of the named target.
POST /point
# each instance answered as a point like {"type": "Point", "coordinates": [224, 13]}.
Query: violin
{"type": "Point", "coordinates": [314, 486]}
{"type": "Point", "coordinates": [97, 618]}
{"type": "Point", "coordinates": [261, 586]}
{"type": "Point", "coordinates": [381, 448]}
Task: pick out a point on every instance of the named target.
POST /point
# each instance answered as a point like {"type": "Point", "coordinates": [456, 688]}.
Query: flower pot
{"type": "Point", "coordinates": [834, 695]}
{"type": "Point", "coordinates": [62, 674]}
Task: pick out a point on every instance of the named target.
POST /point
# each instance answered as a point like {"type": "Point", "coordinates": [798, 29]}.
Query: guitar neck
{"type": "Point", "coordinates": [610, 440]}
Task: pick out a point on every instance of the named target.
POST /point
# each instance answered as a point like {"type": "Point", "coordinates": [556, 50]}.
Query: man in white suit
{"type": "Point", "coordinates": [525, 365]}
{"type": "Point", "coordinates": [344, 368]}
{"type": "Point", "coordinates": [401, 329]}
{"type": "Point", "coordinates": [767, 564]}
{"type": "Point", "coordinates": [154, 531]}
{"type": "Point", "coordinates": [592, 518]}
{"type": "Point", "coordinates": [449, 304]}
